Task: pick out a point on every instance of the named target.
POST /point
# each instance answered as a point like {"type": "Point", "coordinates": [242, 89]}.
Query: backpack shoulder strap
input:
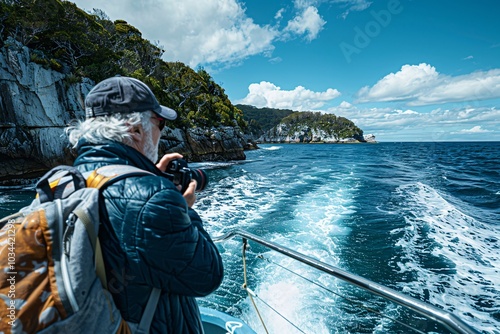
{"type": "Point", "coordinates": [149, 312]}
{"type": "Point", "coordinates": [105, 175]}
{"type": "Point", "coordinates": [61, 181]}
{"type": "Point", "coordinates": [100, 178]}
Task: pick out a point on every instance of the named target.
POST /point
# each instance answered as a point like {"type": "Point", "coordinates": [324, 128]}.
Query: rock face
{"type": "Point", "coordinates": [36, 104]}
{"type": "Point", "coordinates": [216, 144]}
{"type": "Point", "coordinates": [370, 138]}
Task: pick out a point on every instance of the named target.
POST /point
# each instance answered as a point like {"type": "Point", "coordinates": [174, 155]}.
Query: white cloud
{"type": "Point", "coordinates": [279, 14]}
{"type": "Point", "coordinates": [475, 86]}
{"type": "Point", "coordinates": [345, 105]}
{"type": "Point", "coordinates": [275, 60]}
{"type": "Point", "coordinates": [402, 85]}
{"type": "Point", "coordinates": [352, 5]}
{"type": "Point", "coordinates": [191, 31]}
{"type": "Point", "coordinates": [423, 85]}
{"type": "Point", "coordinates": [210, 32]}
{"type": "Point", "coordinates": [266, 94]}
{"type": "Point", "coordinates": [308, 23]}
{"type": "Point", "coordinates": [409, 125]}
{"type": "Point", "coordinates": [475, 129]}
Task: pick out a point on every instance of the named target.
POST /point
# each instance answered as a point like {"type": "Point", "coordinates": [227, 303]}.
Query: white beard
{"type": "Point", "coordinates": [151, 150]}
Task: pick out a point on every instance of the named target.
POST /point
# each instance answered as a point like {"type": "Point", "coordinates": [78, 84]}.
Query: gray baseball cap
{"type": "Point", "coordinates": [123, 95]}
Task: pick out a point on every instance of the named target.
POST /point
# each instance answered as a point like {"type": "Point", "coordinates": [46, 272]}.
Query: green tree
{"type": "Point", "coordinates": [81, 44]}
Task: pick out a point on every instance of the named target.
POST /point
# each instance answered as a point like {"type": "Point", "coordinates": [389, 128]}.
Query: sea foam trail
{"type": "Point", "coordinates": [314, 223]}
{"type": "Point", "coordinates": [462, 252]}
{"type": "Point", "coordinates": [304, 214]}
{"type": "Point", "coordinates": [272, 148]}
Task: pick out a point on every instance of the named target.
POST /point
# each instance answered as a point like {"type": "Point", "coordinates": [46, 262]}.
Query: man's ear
{"type": "Point", "coordinates": [137, 133]}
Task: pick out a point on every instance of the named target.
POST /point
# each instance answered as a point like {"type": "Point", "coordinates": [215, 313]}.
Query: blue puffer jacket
{"type": "Point", "coordinates": [150, 238]}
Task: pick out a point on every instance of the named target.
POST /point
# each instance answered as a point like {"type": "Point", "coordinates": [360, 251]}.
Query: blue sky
{"type": "Point", "coordinates": [403, 70]}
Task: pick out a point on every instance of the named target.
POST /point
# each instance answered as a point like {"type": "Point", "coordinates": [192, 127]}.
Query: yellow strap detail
{"type": "Point", "coordinates": [54, 184]}
{"type": "Point", "coordinates": [94, 179]}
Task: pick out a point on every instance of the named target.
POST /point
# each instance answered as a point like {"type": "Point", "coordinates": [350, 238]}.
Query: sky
{"type": "Point", "coordinates": [402, 70]}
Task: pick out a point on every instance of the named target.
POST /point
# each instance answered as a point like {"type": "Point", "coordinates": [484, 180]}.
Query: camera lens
{"type": "Point", "coordinates": [201, 178]}
{"type": "Point", "coordinates": [179, 173]}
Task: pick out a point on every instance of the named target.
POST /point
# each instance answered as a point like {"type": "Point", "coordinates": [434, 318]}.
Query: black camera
{"type": "Point", "coordinates": [180, 174]}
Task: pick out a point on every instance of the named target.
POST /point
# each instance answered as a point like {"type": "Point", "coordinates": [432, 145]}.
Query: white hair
{"type": "Point", "coordinates": [114, 128]}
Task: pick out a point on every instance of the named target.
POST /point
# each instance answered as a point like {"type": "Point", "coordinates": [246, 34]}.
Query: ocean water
{"type": "Point", "coordinates": [421, 218]}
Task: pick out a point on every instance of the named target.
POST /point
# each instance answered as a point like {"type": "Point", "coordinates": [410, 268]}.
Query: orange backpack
{"type": "Point", "coordinates": [52, 277]}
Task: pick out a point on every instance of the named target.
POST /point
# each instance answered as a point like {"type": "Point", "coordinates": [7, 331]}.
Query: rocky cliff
{"type": "Point", "coordinates": [304, 133]}
{"type": "Point", "coordinates": [37, 103]}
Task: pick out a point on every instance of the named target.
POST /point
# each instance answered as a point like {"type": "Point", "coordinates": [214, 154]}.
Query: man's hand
{"type": "Point", "coordinates": [163, 163]}
{"type": "Point", "coordinates": [189, 195]}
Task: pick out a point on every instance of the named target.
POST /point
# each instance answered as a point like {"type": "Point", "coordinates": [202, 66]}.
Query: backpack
{"type": "Point", "coordinates": [52, 277]}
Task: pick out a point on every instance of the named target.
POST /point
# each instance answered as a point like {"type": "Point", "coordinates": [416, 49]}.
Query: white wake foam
{"type": "Point", "coordinates": [434, 227]}
{"type": "Point", "coordinates": [314, 223]}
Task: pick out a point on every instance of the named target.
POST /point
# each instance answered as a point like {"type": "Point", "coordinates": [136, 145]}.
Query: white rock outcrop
{"type": "Point", "coordinates": [370, 138]}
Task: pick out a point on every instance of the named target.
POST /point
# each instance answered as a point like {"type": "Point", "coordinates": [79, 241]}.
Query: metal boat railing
{"type": "Point", "coordinates": [447, 319]}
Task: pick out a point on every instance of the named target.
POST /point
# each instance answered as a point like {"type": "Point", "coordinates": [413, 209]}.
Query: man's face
{"type": "Point", "coordinates": [152, 141]}
{"type": "Point", "coordinates": [146, 139]}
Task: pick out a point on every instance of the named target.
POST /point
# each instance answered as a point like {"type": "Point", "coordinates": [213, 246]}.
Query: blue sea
{"type": "Point", "coordinates": [421, 218]}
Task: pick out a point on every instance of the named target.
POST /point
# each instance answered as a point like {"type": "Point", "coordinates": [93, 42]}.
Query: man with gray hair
{"type": "Point", "coordinates": [151, 236]}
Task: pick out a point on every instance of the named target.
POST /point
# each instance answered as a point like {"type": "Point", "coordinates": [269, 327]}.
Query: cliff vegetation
{"type": "Point", "coordinates": [284, 125]}
{"type": "Point", "coordinates": [332, 125]}
{"type": "Point", "coordinates": [260, 120]}
{"type": "Point", "coordinates": [66, 39]}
